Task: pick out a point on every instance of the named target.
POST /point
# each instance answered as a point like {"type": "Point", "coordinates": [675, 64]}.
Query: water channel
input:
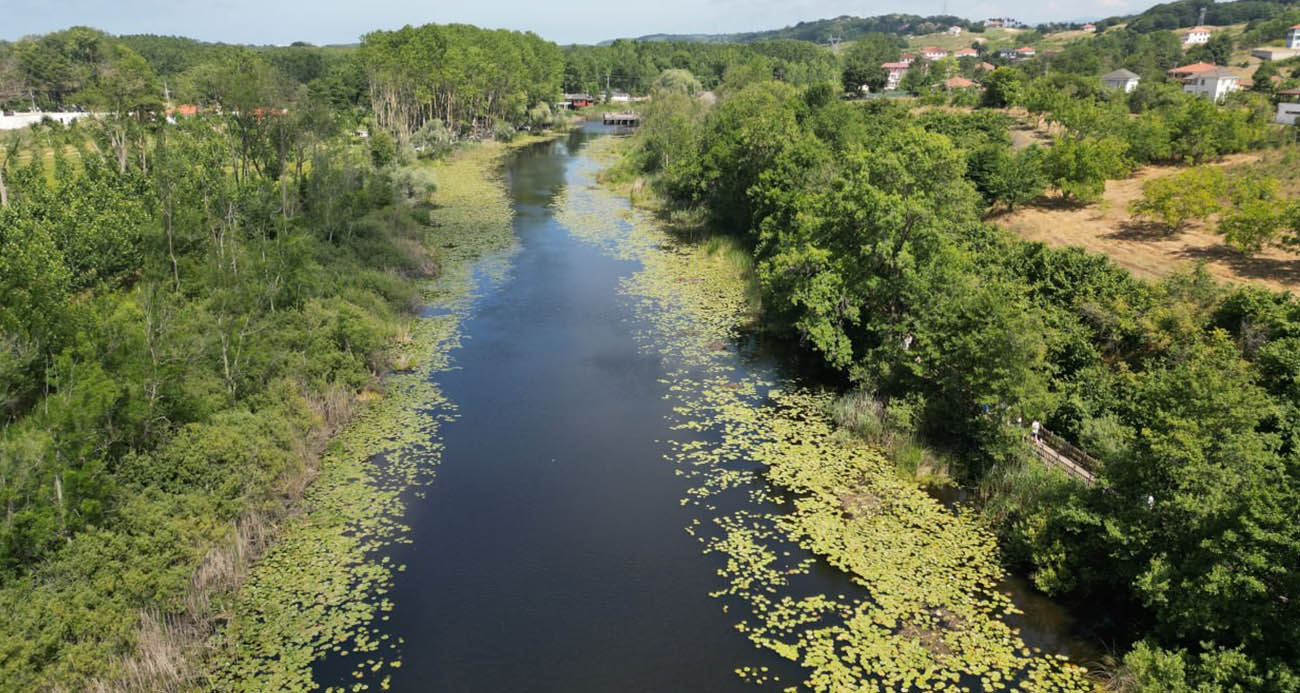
{"type": "Point", "coordinates": [549, 553]}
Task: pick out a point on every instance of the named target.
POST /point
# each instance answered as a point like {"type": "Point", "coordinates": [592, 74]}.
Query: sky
{"type": "Point", "coordinates": [563, 21]}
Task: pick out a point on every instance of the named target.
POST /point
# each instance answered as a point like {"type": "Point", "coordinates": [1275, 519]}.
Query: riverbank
{"type": "Point", "coordinates": [320, 588]}
{"type": "Point", "coordinates": [931, 615]}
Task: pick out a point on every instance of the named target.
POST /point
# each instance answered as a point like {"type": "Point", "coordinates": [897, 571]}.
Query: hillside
{"type": "Point", "coordinates": [845, 28]}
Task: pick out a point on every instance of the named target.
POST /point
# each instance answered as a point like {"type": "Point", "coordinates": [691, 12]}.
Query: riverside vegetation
{"type": "Point", "coordinates": [192, 313]}
{"type": "Point", "coordinates": [864, 226]}
{"type": "Point", "coordinates": [189, 313]}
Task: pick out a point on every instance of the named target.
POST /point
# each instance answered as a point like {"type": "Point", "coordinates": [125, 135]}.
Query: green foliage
{"type": "Point", "coordinates": [861, 62]}
{"type": "Point", "coordinates": [1005, 177]}
{"type": "Point", "coordinates": [678, 80]}
{"type": "Point", "coordinates": [1175, 200]}
{"type": "Point", "coordinates": [1003, 87]}
{"type": "Point", "coordinates": [457, 73]}
{"type": "Point", "coordinates": [1257, 215]}
{"type": "Point", "coordinates": [864, 225]}
{"type": "Point", "coordinates": [1080, 167]}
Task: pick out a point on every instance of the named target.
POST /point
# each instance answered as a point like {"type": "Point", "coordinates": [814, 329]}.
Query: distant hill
{"type": "Point", "coordinates": [1186, 13]}
{"type": "Point", "coordinates": [845, 27]}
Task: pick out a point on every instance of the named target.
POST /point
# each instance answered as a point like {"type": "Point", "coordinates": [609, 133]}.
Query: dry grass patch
{"type": "Point", "coordinates": [1148, 250]}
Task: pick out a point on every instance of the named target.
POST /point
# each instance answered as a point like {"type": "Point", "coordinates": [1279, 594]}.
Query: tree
{"type": "Point", "coordinates": [678, 80]}
{"type": "Point", "coordinates": [1257, 215]}
{"type": "Point", "coordinates": [1080, 167]}
{"type": "Point", "coordinates": [1008, 178]}
{"type": "Point", "coordinates": [1003, 88]}
{"type": "Point", "coordinates": [1176, 199]}
{"type": "Point", "coordinates": [862, 62]}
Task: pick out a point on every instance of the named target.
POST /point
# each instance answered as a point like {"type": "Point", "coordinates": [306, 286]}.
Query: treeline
{"type": "Point", "coordinates": [864, 221]}
{"type": "Point", "coordinates": [1186, 13]}
{"type": "Point", "coordinates": [187, 311]}
{"type": "Point", "coordinates": [457, 74]}
{"type": "Point", "coordinates": [633, 66]}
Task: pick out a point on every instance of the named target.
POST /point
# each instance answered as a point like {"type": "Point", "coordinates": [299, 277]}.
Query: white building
{"type": "Point", "coordinates": [896, 72]}
{"type": "Point", "coordinates": [934, 53]}
{"type": "Point", "coordinates": [1197, 35]}
{"type": "Point", "coordinates": [1288, 109]}
{"type": "Point", "coordinates": [1212, 84]}
{"type": "Point", "coordinates": [1121, 79]}
{"type": "Point", "coordinates": [954, 31]}
{"type": "Point", "coordinates": [21, 120]}
{"type": "Point", "coordinates": [1293, 38]}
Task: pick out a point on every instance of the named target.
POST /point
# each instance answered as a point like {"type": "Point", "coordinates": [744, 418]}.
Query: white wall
{"type": "Point", "coordinates": [22, 120]}
{"type": "Point", "coordinates": [1288, 113]}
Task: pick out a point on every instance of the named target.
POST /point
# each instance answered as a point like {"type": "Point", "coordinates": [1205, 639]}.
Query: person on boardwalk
{"type": "Point", "coordinates": [1033, 430]}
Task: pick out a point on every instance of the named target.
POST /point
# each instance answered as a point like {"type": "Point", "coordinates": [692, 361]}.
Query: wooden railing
{"type": "Point", "coordinates": [1060, 453]}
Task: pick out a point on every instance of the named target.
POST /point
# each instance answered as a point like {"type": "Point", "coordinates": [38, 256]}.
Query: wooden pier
{"type": "Point", "coordinates": [627, 120]}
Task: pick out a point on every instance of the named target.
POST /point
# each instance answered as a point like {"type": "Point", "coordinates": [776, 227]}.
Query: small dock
{"type": "Point", "coordinates": [626, 120]}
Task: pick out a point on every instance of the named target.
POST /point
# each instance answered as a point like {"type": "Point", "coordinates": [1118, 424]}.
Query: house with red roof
{"type": "Point", "coordinates": [896, 72]}
{"type": "Point", "coordinates": [958, 83]}
{"type": "Point", "coordinates": [966, 53]}
{"type": "Point", "coordinates": [1184, 71]}
{"type": "Point", "coordinates": [932, 53]}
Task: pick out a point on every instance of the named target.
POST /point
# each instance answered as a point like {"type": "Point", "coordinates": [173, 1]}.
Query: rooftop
{"type": "Point", "coordinates": [1120, 74]}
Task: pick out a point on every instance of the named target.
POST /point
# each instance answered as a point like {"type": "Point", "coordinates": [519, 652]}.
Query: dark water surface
{"type": "Point", "coordinates": [549, 553]}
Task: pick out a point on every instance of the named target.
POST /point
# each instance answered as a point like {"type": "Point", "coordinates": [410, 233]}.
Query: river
{"type": "Point", "coordinates": [549, 554]}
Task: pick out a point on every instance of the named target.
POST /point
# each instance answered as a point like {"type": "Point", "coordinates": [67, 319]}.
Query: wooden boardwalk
{"type": "Point", "coordinates": [1057, 452]}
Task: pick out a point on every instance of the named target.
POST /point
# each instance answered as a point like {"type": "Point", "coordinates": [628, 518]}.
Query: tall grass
{"type": "Point", "coordinates": [891, 428]}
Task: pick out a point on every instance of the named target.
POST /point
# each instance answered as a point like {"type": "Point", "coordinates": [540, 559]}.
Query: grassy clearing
{"type": "Point", "coordinates": [1108, 228]}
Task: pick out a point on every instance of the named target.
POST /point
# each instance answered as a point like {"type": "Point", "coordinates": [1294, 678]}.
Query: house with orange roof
{"type": "Point", "coordinates": [1184, 71]}
{"type": "Point", "coordinates": [932, 53]}
{"type": "Point", "coordinates": [958, 83]}
{"type": "Point", "coordinates": [966, 53]}
{"type": "Point", "coordinates": [1212, 84]}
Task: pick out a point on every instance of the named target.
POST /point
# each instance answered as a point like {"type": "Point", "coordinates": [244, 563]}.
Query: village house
{"type": "Point", "coordinates": [1293, 38]}
{"type": "Point", "coordinates": [954, 31]}
{"type": "Point", "coordinates": [576, 101]}
{"type": "Point", "coordinates": [1212, 84]}
{"type": "Point", "coordinates": [958, 83]}
{"type": "Point", "coordinates": [1197, 35]}
{"type": "Point", "coordinates": [896, 72]}
{"type": "Point", "coordinates": [966, 53]}
{"type": "Point", "coordinates": [907, 58]}
{"type": "Point", "coordinates": [993, 23]}
{"type": "Point", "coordinates": [1288, 107]}
{"type": "Point", "coordinates": [1121, 79]}
{"type": "Point", "coordinates": [1185, 71]}
{"type": "Point", "coordinates": [1026, 52]}
{"type": "Point", "coordinates": [932, 53]}
{"type": "Point", "coordinates": [987, 67]}
{"type": "Point", "coordinates": [1090, 28]}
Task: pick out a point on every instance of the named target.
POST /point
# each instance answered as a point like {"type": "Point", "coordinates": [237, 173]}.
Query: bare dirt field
{"type": "Point", "coordinates": [1145, 249]}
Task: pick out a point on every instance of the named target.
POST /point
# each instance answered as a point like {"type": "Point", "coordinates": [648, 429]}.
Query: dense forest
{"type": "Point", "coordinates": [162, 279]}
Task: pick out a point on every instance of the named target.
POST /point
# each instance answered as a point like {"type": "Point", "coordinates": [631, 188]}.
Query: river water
{"type": "Point", "coordinates": [550, 553]}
